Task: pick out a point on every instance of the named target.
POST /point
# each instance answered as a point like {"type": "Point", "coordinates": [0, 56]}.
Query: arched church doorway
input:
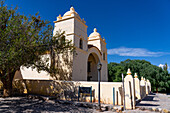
{"type": "Point", "coordinates": [92, 74]}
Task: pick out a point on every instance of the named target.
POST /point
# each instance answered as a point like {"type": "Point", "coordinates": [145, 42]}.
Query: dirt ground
{"type": "Point", "coordinates": [23, 104]}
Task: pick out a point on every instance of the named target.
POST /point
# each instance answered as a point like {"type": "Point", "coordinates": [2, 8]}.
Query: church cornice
{"type": "Point", "coordinates": [97, 39]}
{"type": "Point", "coordinates": [71, 18]}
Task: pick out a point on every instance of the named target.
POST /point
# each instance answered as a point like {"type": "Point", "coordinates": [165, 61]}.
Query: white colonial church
{"type": "Point", "coordinates": [89, 50]}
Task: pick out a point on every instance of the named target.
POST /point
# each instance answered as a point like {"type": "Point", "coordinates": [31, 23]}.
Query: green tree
{"type": "Point", "coordinates": [158, 77]}
{"type": "Point", "coordinates": [114, 72]}
{"type": "Point", "coordinates": [23, 42]}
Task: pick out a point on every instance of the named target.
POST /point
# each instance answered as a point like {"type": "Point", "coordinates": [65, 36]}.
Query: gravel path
{"type": "Point", "coordinates": [30, 105]}
{"type": "Point", "coordinates": [23, 104]}
{"type": "Point", "coordinates": [156, 100]}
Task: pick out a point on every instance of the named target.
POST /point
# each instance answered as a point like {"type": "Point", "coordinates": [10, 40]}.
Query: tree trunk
{"type": "Point", "coordinates": [7, 83]}
{"type": "Point", "coordinates": [7, 92]}
{"type": "Point", "coordinates": [156, 89]}
{"type": "Point", "coordinates": [7, 88]}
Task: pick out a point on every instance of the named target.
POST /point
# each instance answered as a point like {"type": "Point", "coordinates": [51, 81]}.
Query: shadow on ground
{"type": "Point", "coordinates": [23, 104]}
{"type": "Point", "coordinates": [150, 98]}
{"type": "Point", "coordinates": [147, 105]}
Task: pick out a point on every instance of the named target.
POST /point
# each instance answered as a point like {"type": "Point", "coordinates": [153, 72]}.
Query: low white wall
{"type": "Point", "coordinates": [69, 89]}
{"type": "Point", "coordinates": [106, 91]}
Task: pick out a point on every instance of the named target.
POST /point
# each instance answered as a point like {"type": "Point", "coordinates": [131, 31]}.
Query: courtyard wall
{"type": "Point", "coordinates": [110, 92]}
{"type": "Point", "coordinates": [68, 90]}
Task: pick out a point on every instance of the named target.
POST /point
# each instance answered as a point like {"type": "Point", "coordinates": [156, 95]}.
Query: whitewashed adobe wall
{"type": "Point", "coordinates": [51, 87]}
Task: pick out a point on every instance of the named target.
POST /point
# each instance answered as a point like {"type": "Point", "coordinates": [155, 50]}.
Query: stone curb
{"type": "Point", "coordinates": [155, 109]}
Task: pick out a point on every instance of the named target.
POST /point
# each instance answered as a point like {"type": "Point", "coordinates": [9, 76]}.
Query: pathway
{"type": "Point", "coordinates": [24, 105]}
{"type": "Point", "coordinates": [156, 100]}
{"type": "Point", "coordinates": [27, 104]}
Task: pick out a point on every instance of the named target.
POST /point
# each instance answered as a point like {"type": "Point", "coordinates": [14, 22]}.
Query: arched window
{"type": "Point", "coordinates": [104, 58]}
{"type": "Point", "coordinates": [81, 44]}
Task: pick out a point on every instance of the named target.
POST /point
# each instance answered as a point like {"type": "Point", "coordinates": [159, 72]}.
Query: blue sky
{"type": "Point", "coordinates": [133, 29]}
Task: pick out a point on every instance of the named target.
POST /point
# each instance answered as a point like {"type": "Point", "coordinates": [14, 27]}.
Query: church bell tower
{"type": "Point", "coordinates": [75, 30]}
{"type": "Point", "coordinates": [74, 27]}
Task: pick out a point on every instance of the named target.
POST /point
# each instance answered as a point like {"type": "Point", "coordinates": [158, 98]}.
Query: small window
{"type": "Point", "coordinates": [104, 56]}
{"type": "Point", "coordinates": [81, 44]}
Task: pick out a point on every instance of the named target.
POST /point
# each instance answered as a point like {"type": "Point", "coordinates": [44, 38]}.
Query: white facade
{"type": "Point", "coordinates": [89, 50]}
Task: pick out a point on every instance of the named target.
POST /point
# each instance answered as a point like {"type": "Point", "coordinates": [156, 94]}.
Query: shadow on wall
{"type": "Point", "coordinates": [60, 89]}
{"type": "Point", "coordinates": [63, 90]}
{"type": "Point", "coordinates": [86, 97]}
{"type": "Point", "coordinates": [143, 91]}
{"type": "Point", "coordinates": [121, 95]}
{"type": "Point", "coordinates": [63, 63]}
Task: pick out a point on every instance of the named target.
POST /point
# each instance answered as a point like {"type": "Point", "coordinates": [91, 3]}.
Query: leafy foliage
{"type": "Point", "coordinates": [159, 78]}
{"type": "Point", "coordinates": [23, 41]}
